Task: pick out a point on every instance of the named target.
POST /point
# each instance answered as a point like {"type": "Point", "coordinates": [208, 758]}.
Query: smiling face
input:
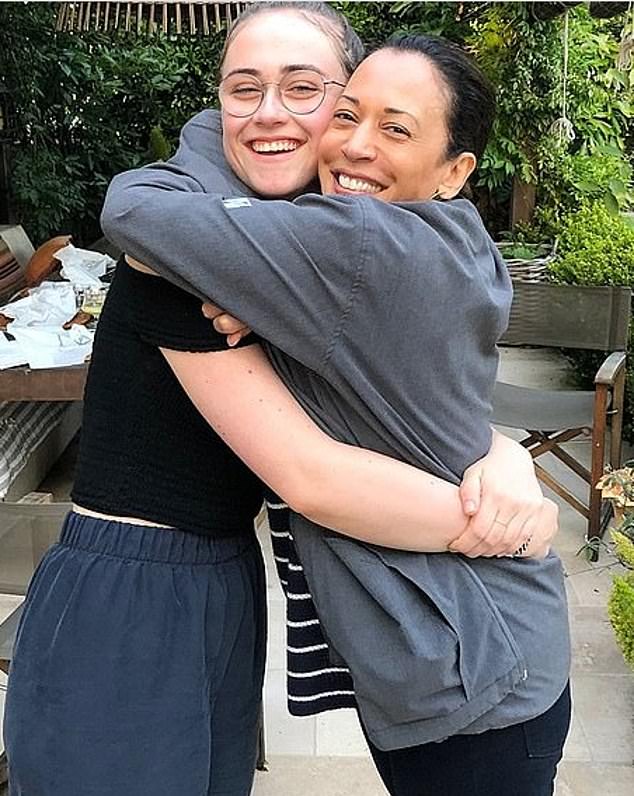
{"type": "Point", "coordinates": [274, 151]}
{"type": "Point", "coordinates": [389, 134]}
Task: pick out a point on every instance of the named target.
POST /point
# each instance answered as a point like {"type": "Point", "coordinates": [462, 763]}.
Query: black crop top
{"type": "Point", "coordinates": [145, 451]}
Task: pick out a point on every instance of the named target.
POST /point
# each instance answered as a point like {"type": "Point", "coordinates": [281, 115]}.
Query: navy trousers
{"type": "Point", "coordinates": [138, 665]}
{"type": "Point", "coordinates": [520, 760]}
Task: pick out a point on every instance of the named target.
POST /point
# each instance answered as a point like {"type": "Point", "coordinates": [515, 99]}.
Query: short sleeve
{"type": "Point", "coordinates": [168, 317]}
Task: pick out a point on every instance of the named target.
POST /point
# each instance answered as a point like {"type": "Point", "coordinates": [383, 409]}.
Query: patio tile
{"type": "Point", "coordinates": [285, 734]}
{"type": "Point", "coordinates": [572, 528]}
{"type": "Point", "coordinates": [604, 708]}
{"type": "Point", "coordinates": [545, 368]}
{"type": "Point", "coordinates": [586, 779]}
{"type": "Point", "coordinates": [339, 734]}
{"type": "Point", "coordinates": [571, 594]}
{"type": "Point", "coordinates": [276, 645]}
{"type": "Point", "coordinates": [274, 591]}
{"type": "Point", "coordinates": [574, 561]}
{"type": "Point", "coordinates": [577, 747]}
{"type": "Point", "coordinates": [594, 649]}
{"type": "Point", "coordinates": [318, 776]}
{"type": "Point", "coordinates": [592, 585]}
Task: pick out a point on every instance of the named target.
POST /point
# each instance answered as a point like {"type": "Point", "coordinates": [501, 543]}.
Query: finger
{"type": "Point", "coordinates": [478, 536]}
{"type": "Point", "coordinates": [518, 531]}
{"type": "Point", "coordinates": [211, 311]}
{"type": "Point", "coordinates": [477, 530]}
{"type": "Point", "coordinates": [227, 324]}
{"type": "Point", "coordinates": [473, 546]}
{"type": "Point", "coordinates": [234, 339]}
{"type": "Point", "coordinates": [470, 491]}
{"type": "Point", "coordinates": [542, 529]}
{"type": "Point", "coordinates": [499, 540]}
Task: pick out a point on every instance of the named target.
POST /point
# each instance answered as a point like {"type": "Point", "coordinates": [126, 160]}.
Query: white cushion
{"type": "Point", "coordinates": [23, 427]}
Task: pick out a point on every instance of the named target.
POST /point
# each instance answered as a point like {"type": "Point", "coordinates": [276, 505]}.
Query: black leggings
{"type": "Point", "coordinates": [517, 761]}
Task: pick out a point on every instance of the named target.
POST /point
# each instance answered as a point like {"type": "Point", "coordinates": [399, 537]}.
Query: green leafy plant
{"type": "Point", "coordinates": [623, 545]}
{"type": "Point", "coordinates": [596, 248]}
{"type": "Point", "coordinates": [621, 613]}
{"type": "Point", "coordinates": [617, 486]}
{"type": "Point", "coordinates": [89, 106]}
{"type": "Point", "coordinates": [94, 102]}
{"type": "Point", "coordinates": [605, 174]}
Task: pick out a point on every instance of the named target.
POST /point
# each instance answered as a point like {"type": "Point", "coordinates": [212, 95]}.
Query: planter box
{"type": "Point", "coordinates": [533, 268]}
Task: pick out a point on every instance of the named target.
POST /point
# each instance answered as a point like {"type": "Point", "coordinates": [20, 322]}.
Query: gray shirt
{"type": "Point", "coordinates": [437, 644]}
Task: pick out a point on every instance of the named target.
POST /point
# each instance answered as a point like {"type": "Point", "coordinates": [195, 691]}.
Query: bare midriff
{"type": "Point", "coordinates": [113, 518]}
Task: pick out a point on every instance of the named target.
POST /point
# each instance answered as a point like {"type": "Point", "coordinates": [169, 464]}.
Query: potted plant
{"type": "Point", "coordinates": [617, 486]}
{"type": "Point", "coordinates": [528, 262]}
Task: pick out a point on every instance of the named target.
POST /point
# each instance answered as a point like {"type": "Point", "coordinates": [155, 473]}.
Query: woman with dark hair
{"type": "Point", "coordinates": [139, 660]}
{"type": "Point", "coordinates": [382, 318]}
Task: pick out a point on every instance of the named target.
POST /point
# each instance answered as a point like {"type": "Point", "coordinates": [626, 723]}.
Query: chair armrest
{"type": "Point", "coordinates": [611, 368]}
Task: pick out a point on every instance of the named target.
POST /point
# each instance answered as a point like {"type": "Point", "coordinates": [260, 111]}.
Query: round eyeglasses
{"type": "Point", "coordinates": [300, 92]}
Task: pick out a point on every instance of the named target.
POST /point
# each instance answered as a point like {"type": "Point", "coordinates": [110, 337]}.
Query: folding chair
{"type": "Point", "coordinates": [579, 317]}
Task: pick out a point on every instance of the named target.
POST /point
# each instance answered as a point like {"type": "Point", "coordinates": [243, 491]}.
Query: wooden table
{"type": "Point", "coordinates": [51, 384]}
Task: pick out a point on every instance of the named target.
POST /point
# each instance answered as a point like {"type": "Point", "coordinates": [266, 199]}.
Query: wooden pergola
{"type": "Point", "coordinates": [170, 18]}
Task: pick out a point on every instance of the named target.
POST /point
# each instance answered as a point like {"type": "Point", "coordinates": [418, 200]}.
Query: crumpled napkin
{"type": "Point", "coordinates": [50, 304]}
{"type": "Point", "coordinates": [46, 347]}
{"type": "Point", "coordinates": [40, 341]}
{"type": "Point", "coordinates": [11, 353]}
{"type": "Point", "coordinates": [83, 267]}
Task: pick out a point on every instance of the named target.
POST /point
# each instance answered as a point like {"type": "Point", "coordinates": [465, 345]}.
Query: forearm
{"type": "Point", "coordinates": [378, 499]}
{"type": "Point", "coordinates": [357, 492]}
{"type": "Point", "coordinates": [141, 212]}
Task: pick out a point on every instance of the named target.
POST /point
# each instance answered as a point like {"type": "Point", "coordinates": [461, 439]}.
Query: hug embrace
{"type": "Point", "coordinates": [322, 207]}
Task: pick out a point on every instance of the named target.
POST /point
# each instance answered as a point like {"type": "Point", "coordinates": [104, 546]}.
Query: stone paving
{"type": "Point", "coordinates": [327, 756]}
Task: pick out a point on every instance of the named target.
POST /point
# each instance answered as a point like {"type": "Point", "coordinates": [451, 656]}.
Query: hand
{"type": "Point", "coordinates": [545, 530]}
{"type": "Point", "coordinates": [542, 528]}
{"type": "Point", "coordinates": [226, 324]}
{"type": "Point", "coordinates": [503, 497]}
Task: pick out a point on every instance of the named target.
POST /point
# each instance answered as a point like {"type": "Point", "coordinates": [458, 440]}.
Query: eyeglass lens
{"type": "Point", "coordinates": [300, 92]}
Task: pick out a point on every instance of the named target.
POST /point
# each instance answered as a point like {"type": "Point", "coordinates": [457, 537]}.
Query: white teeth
{"type": "Point", "coordinates": [353, 184]}
{"type": "Point", "coordinates": [274, 146]}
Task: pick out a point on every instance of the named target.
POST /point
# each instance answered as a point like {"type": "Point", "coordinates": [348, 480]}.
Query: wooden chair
{"type": "Point", "coordinates": [15, 252]}
{"type": "Point", "coordinates": [579, 317]}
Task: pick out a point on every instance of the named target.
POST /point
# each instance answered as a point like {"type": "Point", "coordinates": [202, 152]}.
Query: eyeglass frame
{"type": "Point", "coordinates": [277, 84]}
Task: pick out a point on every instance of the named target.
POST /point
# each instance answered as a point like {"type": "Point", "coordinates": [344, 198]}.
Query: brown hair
{"type": "Point", "coordinates": [325, 18]}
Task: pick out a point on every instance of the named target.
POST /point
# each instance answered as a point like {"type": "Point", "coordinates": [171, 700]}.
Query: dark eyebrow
{"type": "Point", "coordinates": [398, 112]}
{"type": "Point", "coordinates": [393, 111]}
{"type": "Point", "coordinates": [286, 69]}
